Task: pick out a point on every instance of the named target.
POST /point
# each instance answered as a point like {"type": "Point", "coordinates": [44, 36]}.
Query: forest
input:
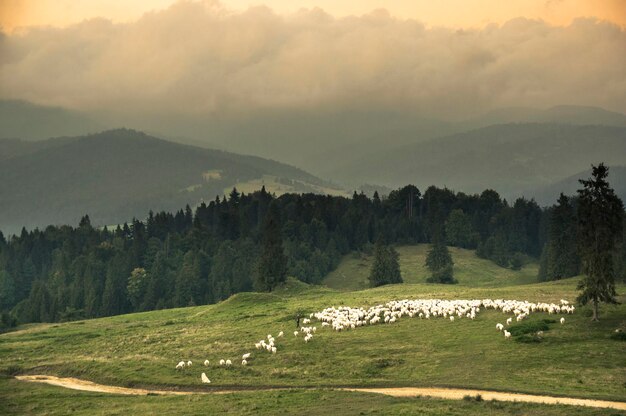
{"type": "Point", "coordinates": [202, 256]}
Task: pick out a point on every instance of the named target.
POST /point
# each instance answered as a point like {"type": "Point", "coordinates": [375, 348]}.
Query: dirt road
{"type": "Point", "coordinates": [441, 393]}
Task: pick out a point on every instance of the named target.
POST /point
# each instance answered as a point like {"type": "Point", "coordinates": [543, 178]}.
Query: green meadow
{"type": "Point", "coordinates": [577, 359]}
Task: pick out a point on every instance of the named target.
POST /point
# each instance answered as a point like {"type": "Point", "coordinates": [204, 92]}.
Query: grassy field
{"type": "Point", "coordinates": [469, 270]}
{"type": "Point", "coordinates": [576, 359]}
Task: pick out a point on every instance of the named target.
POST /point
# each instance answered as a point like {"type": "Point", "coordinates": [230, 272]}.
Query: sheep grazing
{"type": "Point", "coordinates": [222, 362]}
{"type": "Point", "coordinates": [206, 363]}
{"type": "Point", "coordinates": [507, 334]}
{"type": "Point", "coordinates": [273, 350]}
{"type": "Point", "coordinates": [499, 326]}
{"type": "Point", "coordinates": [180, 365]}
{"type": "Point", "coordinates": [244, 362]}
{"type": "Point", "coordinates": [246, 356]}
{"type": "Point", "coordinates": [189, 363]}
{"type": "Point", "coordinates": [562, 320]}
{"type": "Point", "coordinates": [228, 363]}
{"type": "Point", "coordinates": [451, 318]}
{"type": "Point", "coordinates": [295, 333]}
{"type": "Point", "coordinates": [280, 334]}
{"type": "Point", "coordinates": [508, 321]}
{"type": "Point", "coordinates": [204, 378]}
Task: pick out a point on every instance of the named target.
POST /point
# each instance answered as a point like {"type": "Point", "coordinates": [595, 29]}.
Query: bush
{"type": "Point", "coordinates": [7, 321]}
{"type": "Point", "coordinates": [517, 261]}
{"type": "Point", "coordinates": [531, 327]}
{"type": "Point", "coordinates": [619, 336]}
{"type": "Point", "coordinates": [529, 339]}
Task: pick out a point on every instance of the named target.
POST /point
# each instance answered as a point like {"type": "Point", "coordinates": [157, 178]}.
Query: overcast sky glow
{"type": "Point", "coordinates": [204, 59]}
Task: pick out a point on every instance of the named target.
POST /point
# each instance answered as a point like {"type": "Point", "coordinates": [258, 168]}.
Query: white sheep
{"type": "Point", "coordinates": [295, 333]}
{"type": "Point", "coordinates": [499, 326]}
{"type": "Point", "coordinates": [204, 378]}
{"type": "Point", "coordinates": [508, 321]}
{"type": "Point", "coordinates": [562, 320]}
{"type": "Point", "coordinates": [507, 334]}
{"type": "Point", "coordinates": [189, 363]}
{"type": "Point", "coordinates": [244, 362]}
{"type": "Point", "coordinates": [206, 363]}
{"type": "Point", "coordinates": [228, 363]}
{"type": "Point", "coordinates": [222, 362]}
{"type": "Point", "coordinates": [180, 365]}
{"type": "Point", "coordinates": [246, 356]}
{"type": "Point", "coordinates": [451, 318]}
{"type": "Point", "coordinates": [273, 350]}
{"type": "Point", "coordinates": [280, 334]}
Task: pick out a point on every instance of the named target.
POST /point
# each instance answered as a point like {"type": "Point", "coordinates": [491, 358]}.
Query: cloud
{"type": "Point", "coordinates": [200, 60]}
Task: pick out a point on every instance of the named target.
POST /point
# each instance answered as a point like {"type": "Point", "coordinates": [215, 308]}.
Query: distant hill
{"type": "Point", "coordinates": [514, 159]}
{"type": "Point", "coordinates": [562, 114]}
{"type": "Point", "coordinates": [118, 174]}
{"type": "Point", "coordinates": [25, 120]}
{"type": "Point", "coordinates": [548, 195]}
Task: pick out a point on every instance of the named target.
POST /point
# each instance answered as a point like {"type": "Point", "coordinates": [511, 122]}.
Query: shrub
{"type": "Point", "coordinates": [530, 327]}
{"type": "Point", "coordinates": [619, 336]}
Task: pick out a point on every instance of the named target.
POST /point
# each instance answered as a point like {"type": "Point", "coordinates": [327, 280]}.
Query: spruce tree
{"type": "Point", "coordinates": [439, 262]}
{"type": "Point", "coordinates": [600, 214]}
{"type": "Point", "coordinates": [386, 266]}
{"type": "Point", "coordinates": [562, 258]}
{"type": "Point", "coordinates": [272, 264]}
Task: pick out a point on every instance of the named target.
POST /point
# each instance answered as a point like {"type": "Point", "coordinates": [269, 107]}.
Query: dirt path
{"type": "Point", "coordinates": [441, 393]}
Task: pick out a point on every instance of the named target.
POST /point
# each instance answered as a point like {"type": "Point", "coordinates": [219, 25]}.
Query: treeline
{"type": "Point", "coordinates": [203, 256]}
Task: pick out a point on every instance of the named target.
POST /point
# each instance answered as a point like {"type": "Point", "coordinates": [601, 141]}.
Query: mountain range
{"type": "Point", "coordinates": [116, 175]}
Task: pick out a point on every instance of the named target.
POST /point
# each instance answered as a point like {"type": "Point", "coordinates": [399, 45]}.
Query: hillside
{"type": "Point", "coordinates": [513, 159]}
{"type": "Point", "coordinates": [25, 120]}
{"type": "Point", "coordinates": [142, 349]}
{"type": "Point", "coordinates": [548, 195]}
{"type": "Point", "coordinates": [561, 114]}
{"type": "Point", "coordinates": [118, 174]}
{"type": "Point", "coordinates": [469, 270]}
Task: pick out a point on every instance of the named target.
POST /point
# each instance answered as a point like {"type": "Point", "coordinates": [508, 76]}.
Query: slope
{"type": "Point", "coordinates": [142, 349]}
{"type": "Point", "coordinates": [512, 158]}
{"type": "Point", "coordinates": [548, 195]}
{"type": "Point", "coordinates": [118, 174]}
{"type": "Point", "coordinates": [470, 270]}
{"type": "Point", "coordinates": [25, 120]}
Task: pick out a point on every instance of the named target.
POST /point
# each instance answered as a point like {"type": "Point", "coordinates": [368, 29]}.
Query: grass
{"type": "Point", "coordinates": [38, 399]}
{"type": "Point", "coordinates": [34, 399]}
{"type": "Point", "coordinates": [469, 270]}
{"type": "Point", "coordinates": [274, 185]}
{"type": "Point", "coordinates": [578, 359]}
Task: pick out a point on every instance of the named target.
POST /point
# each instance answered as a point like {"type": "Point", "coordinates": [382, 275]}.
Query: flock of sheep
{"type": "Point", "coordinates": [347, 318]}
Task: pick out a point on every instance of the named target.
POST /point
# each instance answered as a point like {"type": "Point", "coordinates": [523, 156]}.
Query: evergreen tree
{"type": "Point", "coordinates": [7, 291]}
{"type": "Point", "coordinates": [385, 267]}
{"type": "Point", "coordinates": [137, 285]}
{"type": "Point", "coordinates": [459, 230]}
{"type": "Point", "coordinates": [439, 262]}
{"type": "Point", "coordinates": [600, 215]}
{"type": "Point", "coordinates": [272, 264]}
{"type": "Point", "coordinates": [562, 258]}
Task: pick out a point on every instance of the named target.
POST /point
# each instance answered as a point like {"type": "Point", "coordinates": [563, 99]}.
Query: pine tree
{"type": "Point", "coordinates": [562, 258]}
{"type": "Point", "coordinates": [385, 267]}
{"type": "Point", "coordinates": [600, 215]}
{"type": "Point", "coordinates": [272, 264]}
{"type": "Point", "coordinates": [439, 262]}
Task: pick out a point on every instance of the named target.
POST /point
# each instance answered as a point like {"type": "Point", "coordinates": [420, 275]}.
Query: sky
{"type": "Point", "coordinates": [448, 59]}
{"type": "Point", "coordinates": [449, 13]}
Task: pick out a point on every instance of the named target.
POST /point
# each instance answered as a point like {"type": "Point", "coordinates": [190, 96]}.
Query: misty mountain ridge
{"type": "Point", "coordinates": [548, 195]}
{"type": "Point", "coordinates": [24, 120]}
{"type": "Point", "coordinates": [118, 174]}
{"type": "Point", "coordinates": [514, 159]}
